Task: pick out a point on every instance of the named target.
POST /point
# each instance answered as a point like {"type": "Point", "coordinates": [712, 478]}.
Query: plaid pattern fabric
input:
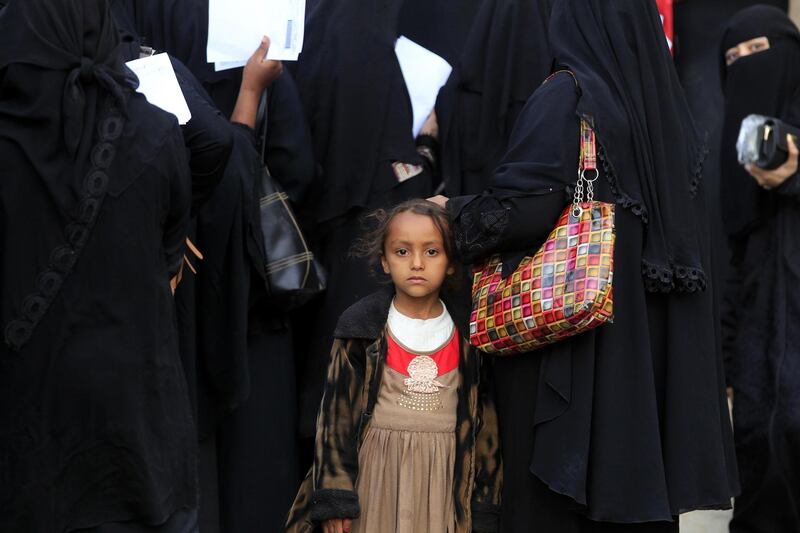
{"type": "Point", "coordinates": [588, 148]}
{"type": "Point", "coordinates": [563, 290]}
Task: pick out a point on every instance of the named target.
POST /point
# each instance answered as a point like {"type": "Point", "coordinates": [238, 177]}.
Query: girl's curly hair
{"type": "Point", "coordinates": [371, 245]}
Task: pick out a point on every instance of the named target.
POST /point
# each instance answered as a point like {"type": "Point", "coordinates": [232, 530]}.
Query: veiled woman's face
{"type": "Point", "coordinates": [746, 48]}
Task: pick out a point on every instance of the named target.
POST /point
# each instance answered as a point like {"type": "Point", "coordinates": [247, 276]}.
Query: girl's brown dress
{"type": "Point", "coordinates": [406, 461]}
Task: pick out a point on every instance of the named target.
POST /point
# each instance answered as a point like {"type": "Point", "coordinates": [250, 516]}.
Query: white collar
{"type": "Point", "coordinates": [421, 335]}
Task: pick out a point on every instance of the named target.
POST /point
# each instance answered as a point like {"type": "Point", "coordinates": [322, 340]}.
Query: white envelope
{"type": "Point", "coordinates": [235, 29]}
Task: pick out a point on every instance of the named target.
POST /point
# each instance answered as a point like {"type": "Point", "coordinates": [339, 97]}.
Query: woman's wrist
{"type": "Point", "coordinates": [246, 107]}
{"type": "Point", "coordinates": [250, 90]}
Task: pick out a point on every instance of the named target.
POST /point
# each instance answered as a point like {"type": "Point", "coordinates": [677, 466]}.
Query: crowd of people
{"type": "Point", "coordinates": [151, 379]}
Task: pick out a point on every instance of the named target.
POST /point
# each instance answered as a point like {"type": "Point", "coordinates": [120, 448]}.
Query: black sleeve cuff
{"type": "Point", "coordinates": [247, 131]}
{"type": "Point", "coordinates": [456, 204]}
{"type": "Point", "coordinates": [485, 518]}
{"type": "Point", "coordinates": [428, 141]}
{"type": "Point", "coordinates": [334, 503]}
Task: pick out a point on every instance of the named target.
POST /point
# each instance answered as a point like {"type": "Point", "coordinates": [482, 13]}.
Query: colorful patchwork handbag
{"type": "Point", "coordinates": [562, 290]}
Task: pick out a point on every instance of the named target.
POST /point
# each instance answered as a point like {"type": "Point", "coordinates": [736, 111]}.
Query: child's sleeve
{"type": "Point", "coordinates": [488, 463]}
{"type": "Point", "coordinates": [336, 449]}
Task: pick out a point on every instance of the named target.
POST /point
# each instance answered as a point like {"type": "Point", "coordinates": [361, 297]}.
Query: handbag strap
{"type": "Point", "coordinates": [588, 147]}
{"type": "Point", "coordinates": [584, 189]}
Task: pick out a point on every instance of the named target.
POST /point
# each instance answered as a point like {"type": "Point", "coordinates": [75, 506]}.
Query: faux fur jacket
{"type": "Point", "coordinates": [354, 379]}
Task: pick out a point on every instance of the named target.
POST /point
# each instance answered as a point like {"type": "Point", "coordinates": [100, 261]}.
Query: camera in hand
{"type": "Point", "coordinates": [762, 141]}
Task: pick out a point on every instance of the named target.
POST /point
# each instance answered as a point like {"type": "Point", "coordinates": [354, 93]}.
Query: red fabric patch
{"type": "Point", "coordinates": [398, 358]}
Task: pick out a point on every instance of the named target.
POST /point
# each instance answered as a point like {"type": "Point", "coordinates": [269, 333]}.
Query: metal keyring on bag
{"type": "Point", "coordinates": [596, 174]}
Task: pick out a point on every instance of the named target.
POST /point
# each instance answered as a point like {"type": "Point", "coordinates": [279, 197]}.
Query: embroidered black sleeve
{"type": "Point", "coordinates": [621, 198]}
{"type": "Point", "coordinates": [478, 231]}
{"type": "Point", "coordinates": [679, 278]}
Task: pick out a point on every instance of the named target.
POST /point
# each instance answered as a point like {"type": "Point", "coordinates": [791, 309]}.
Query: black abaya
{"type": "Point", "coordinates": [759, 322]}
{"type": "Point", "coordinates": [95, 422]}
{"type": "Point", "coordinates": [246, 366]}
{"type": "Point", "coordinates": [628, 422]}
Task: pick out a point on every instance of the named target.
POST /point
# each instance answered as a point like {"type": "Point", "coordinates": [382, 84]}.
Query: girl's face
{"type": "Point", "coordinates": [746, 48]}
{"type": "Point", "coordinates": [414, 256]}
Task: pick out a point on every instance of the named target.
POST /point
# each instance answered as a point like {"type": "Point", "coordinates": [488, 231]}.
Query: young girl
{"type": "Point", "coordinates": [405, 441]}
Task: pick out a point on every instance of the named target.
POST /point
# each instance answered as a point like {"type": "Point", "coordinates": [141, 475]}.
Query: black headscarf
{"type": "Point", "coordinates": [62, 106]}
{"type": "Point", "coordinates": [765, 83]}
{"type": "Point", "coordinates": [75, 40]}
{"type": "Point", "coordinates": [441, 26]}
{"type": "Point", "coordinates": [631, 94]}
{"type": "Point", "coordinates": [505, 58]}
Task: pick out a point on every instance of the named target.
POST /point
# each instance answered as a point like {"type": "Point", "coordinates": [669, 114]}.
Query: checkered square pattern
{"type": "Point", "coordinates": [561, 291]}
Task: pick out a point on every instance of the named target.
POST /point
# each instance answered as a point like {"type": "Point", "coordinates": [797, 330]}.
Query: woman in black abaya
{"type": "Point", "coordinates": [761, 214]}
{"type": "Point", "coordinates": [235, 343]}
{"type": "Point", "coordinates": [622, 428]}
{"type": "Point", "coordinates": [96, 431]}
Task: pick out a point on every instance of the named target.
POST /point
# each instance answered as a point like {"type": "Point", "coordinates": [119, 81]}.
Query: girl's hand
{"type": "Point", "coordinates": [337, 525]}
{"type": "Point", "coordinates": [770, 179]}
{"type": "Point", "coordinates": [259, 73]}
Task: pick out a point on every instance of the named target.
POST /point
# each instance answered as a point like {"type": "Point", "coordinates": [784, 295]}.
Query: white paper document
{"type": "Point", "coordinates": [425, 73]}
{"type": "Point", "coordinates": [226, 65]}
{"type": "Point", "coordinates": [235, 29]}
{"type": "Point", "coordinates": [158, 83]}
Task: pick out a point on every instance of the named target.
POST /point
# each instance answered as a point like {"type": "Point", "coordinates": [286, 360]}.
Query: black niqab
{"type": "Point", "coordinates": [631, 94]}
{"type": "Point", "coordinates": [60, 72]}
{"type": "Point", "coordinates": [765, 83]}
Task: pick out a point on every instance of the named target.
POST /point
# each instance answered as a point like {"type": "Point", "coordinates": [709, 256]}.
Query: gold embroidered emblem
{"type": "Point", "coordinates": [422, 389]}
